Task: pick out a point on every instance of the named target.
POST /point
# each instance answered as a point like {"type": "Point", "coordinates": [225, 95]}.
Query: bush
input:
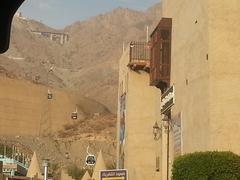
{"type": "Point", "coordinates": [75, 172]}
{"type": "Point", "coordinates": [111, 165]}
{"type": "Point", "coordinates": [207, 166]}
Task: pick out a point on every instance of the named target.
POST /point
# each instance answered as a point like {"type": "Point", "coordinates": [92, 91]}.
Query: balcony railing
{"type": "Point", "coordinates": [139, 56]}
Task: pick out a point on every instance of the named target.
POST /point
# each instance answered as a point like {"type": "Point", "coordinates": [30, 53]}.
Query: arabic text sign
{"type": "Point", "coordinates": [114, 175]}
{"type": "Point", "coordinates": [167, 100]}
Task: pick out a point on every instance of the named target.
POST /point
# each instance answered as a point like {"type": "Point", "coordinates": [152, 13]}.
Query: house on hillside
{"type": "Point", "coordinates": [58, 37]}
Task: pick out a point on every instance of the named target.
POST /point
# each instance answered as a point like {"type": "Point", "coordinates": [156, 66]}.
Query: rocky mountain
{"type": "Point", "coordinates": [88, 62]}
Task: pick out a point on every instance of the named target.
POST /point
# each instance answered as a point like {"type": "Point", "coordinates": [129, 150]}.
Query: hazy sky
{"type": "Point", "coordinates": [59, 13]}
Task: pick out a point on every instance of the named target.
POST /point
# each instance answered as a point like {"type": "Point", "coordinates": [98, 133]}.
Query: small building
{"type": "Point", "coordinates": [14, 158]}
{"type": "Point", "coordinates": [58, 37]}
{"type": "Point", "coordinates": [137, 114]}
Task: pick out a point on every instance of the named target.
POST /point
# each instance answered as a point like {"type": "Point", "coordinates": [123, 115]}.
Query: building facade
{"type": "Point", "coordinates": [137, 150]}
{"type": "Point", "coordinates": [205, 73]}
{"type": "Point", "coordinates": [195, 49]}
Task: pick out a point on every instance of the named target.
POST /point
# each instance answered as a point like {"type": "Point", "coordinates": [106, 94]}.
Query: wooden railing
{"type": "Point", "coordinates": [139, 51]}
{"type": "Point", "coordinates": [139, 55]}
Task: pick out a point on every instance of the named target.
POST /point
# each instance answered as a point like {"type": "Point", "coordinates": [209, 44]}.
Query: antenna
{"type": "Point", "coordinates": [147, 34]}
{"type": "Point", "coordinates": [123, 47]}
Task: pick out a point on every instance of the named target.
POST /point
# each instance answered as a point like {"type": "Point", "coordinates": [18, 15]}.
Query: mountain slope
{"type": "Point", "coordinates": [88, 62]}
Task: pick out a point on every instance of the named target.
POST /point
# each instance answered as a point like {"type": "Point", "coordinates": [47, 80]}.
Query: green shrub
{"type": "Point", "coordinates": [111, 166]}
{"type": "Point", "coordinates": [75, 172]}
{"type": "Point", "coordinates": [207, 166]}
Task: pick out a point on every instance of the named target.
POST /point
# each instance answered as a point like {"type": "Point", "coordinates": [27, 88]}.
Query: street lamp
{"type": "Point", "coordinates": [156, 131]}
{"type": "Point", "coordinates": [45, 165]}
{"type": "Point", "coordinates": [167, 123]}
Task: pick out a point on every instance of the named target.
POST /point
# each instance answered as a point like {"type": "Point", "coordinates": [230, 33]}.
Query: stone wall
{"type": "Point", "coordinates": [224, 63]}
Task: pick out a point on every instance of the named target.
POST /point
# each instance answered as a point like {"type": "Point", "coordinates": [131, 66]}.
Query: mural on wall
{"type": "Point", "coordinates": [122, 129]}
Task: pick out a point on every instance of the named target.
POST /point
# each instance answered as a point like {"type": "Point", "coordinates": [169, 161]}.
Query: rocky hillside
{"type": "Point", "coordinates": [85, 68]}
{"type": "Point", "coordinates": [88, 62]}
{"type": "Point", "coordinates": [46, 126]}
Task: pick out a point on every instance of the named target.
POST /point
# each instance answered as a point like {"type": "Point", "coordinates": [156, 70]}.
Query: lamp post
{"type": "Point", "coordinates": [156, 131]}
{"type": "Point", "coordinates": [45, 165]}
{"type": "Point", "coordinates": [166, 125]}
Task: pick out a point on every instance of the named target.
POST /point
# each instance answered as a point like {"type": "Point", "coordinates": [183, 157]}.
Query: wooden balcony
{"type": "Point", "coordinates": [139, 56]}
{"type": "Point", "coordinates": [160, 62]}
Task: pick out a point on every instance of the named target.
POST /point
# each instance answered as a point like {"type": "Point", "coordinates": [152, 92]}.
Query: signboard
{"type": "Point", "coordinates": [167, 100]}
{"type": "Point", "coordinates": [120, 174]}
{"type": "Point", "coordinates": [177, 135]}
{"type": "Point", "coordinates": [122, 130]}
{"type": "Point", "coordinates": [122, 117]}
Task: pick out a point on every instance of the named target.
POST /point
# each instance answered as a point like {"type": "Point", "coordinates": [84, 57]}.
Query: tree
{"type": "Point", "coordinates": [207, 166]}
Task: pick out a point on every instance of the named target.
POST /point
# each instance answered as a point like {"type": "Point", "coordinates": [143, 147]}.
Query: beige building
{"type": "Point", "coordinates": [199, 56]}
{"type": "Point", "coordinates": [137, 150]}
{"type": "Point", "coordinates": [205, 72]}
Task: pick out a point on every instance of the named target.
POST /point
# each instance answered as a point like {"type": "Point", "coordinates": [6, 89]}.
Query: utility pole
{"type": "Point", "coordinates": [147, 34]}
{"type": "Point", "coordinates": [45, 165]}
{"type": "Point", "coordinates": [5, 150]}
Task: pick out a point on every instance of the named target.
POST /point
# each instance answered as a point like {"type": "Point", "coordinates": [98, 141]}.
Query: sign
{"type": "Point", "coordinates": [122, 130]}
{"type": "Point", "coordinates": [122, 117]}
{"type": "Point", "coordinates": [177, 135]}
{"type": "Point", "coordinates": [167, 100]}
{"type": "Point", "coordinates": [120, 174]}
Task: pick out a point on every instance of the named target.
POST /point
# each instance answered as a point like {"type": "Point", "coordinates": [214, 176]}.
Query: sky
{"type": "Point", "coordinates": [60, 13]}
